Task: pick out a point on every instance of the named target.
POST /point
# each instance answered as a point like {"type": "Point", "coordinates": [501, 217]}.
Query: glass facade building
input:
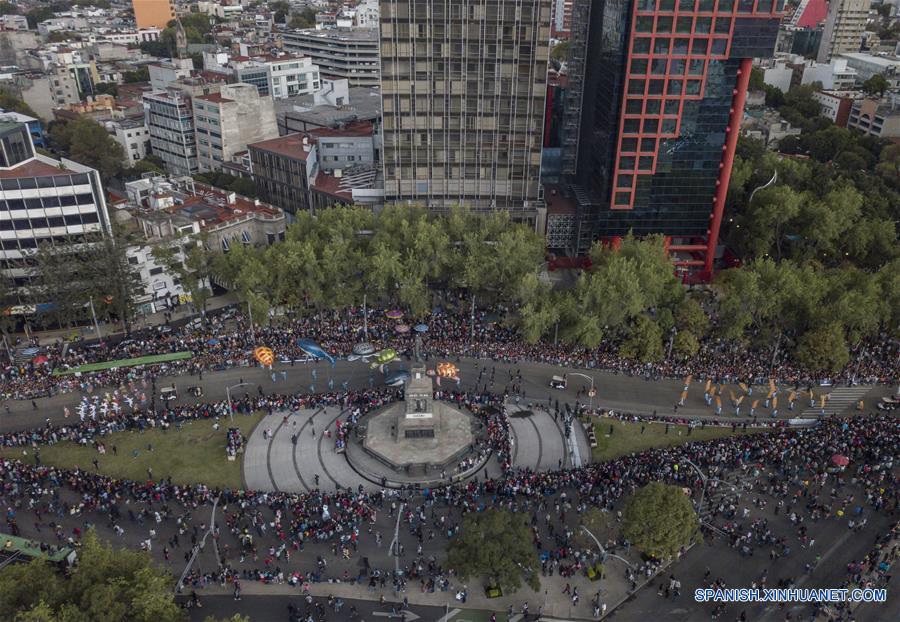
{"type": "Point", "coordinates": [463, 95]}
{"type": "Point", "coordinates": [664, 86]}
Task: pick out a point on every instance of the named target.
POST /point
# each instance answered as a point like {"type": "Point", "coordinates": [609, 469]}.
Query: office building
{"type": "Point", "coordinates": [133, 135]}
{"type": "Point", "coordinates": [279, 76]}
{"type": "Point", "coordinates": [876, 117]}
{"type": "Point", "coordinates": [844, 28]}
{"type": "Point", "coordinates": [339, 53]}
{"type": "Point", "coordinates": [58, 202]}
{"type": "Point", "coordinates": [463, 94]}
{"type": "Point", "coordinates": [226, 121]}
{"type": "Point", "coordinates": [662, 85]}
{"type": "Point", "coordinates": [169, 116]}
{"type": "Point", "coordinates": [153, 13]}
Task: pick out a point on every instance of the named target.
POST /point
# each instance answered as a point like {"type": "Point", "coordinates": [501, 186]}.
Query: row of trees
{"type": "Point", "coordinates": [334, 258]}
{"type": "Point", "coordinates": [106, 584]}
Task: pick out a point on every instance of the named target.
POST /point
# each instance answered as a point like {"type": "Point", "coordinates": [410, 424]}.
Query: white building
{"type": "Point", "coordinates": [163, 73]}
{"type": "Point", "coordinates": [779, 75]}
{"type": "Point", "coordinates": [159, 289]}
{"type": "Point", "coordinates": [133, 135]}
{"type": "Point", "coordinates": [834, 76]}
{"type": "Point", "coordinates": [14, 22]}
{"type": "Point", "coordinates": [367, 14]}
{"type": "Point", "coordinates": [279, 76]}
{"type": "Point", "coordinates": [844, 28]}
{"type": "Point", "coordinates": [44, 201]}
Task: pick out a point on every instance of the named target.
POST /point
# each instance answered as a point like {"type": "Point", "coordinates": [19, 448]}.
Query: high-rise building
{"type": "Point", "coordinates": [42, 200]}
{"type": "Point", "coordinates": [463, 91]}
{"type": "Point", "coordinates": [662, 85]}
{"type": "Point", "coordinates": [844, 28]}
{"type": "Point", "coordinates": [153, 13]}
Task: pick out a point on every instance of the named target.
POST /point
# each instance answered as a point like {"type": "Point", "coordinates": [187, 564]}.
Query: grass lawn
{"type": "Point", "coordinates": [626, 438]}
{"type": "Point", "coordinates": [195, 454]}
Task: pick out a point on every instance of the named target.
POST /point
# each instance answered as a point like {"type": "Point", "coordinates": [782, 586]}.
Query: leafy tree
{"type": "Point", "coordinates": [107, 584]}
{"type": "Point", "coordinates": [644, 342]}
{"type": "Point", "coordinates": [540, 308]}
{"type": "Point", "coordinates": [304, 19]}
{"type": "Point", "coordinates": [685, 345]}
{"type": "Point", "coordinates": [10, 102]}
{"type": "Point", "coordinates": [106, 88]}
{"type": "Point", "coordinates": [37, 15]}
{"type": "Point", "coordinates": [8, 8]}
{"type": "Point", "coordinates": [823, 348]}
{"type": "Point", "coordinates": [88, 143]}
{"type": "Point", "coordinates": [876, 85]}
{"type": "Point", "coordinates": [560, 51]}
{"type": "Point", "coordinates": [600, 523]}
{"type": "Point", "coordinates": [690, 317]}
{"type": "Point", "coordinates": [141, 74]}
{"type": "Point", "coordinates": [495, 544]}
{"type": "Point", "coordinates": [194, 272]}
{"type": "Point", "coordinates": [659, 520]}
{"type": "Point", "coordinates": [149, 164]}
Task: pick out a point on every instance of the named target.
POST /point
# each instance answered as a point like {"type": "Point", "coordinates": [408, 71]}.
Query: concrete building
{"type": "Point", "coordinates": [367, 14]}
{"type": "Point", "coordinates": [159, 289]}
{"type": "Point", "coordinates": [175, 209]}
{"type": "Point", "coordinates": [844, 28]}
{"type": "Point", "coordinates": [463, 114]}
{"type": "Point", "coordinates": [780, 75]}
{"type": "Point", "coordinates": [562, 18]}
{"type": "Point", "coordinates": [318, 169]}
{"type": "Point", "coordinates": [153, 13]}
{"type": "Point", "coordinates": [225, 122]}
{"type": "Point", "coordinates": [836, 105]}
{"type": "Point", "coordinates": [58, 202]}
{"type": "Point", "coordinates": [169, 117]}
{"type": "Point", "coordinates": [835, 75]}
{"type": "Point", "coordinates": [133, 135]}
{"type": "Point", "coordinates": [768, 126]}
{"type": "Point", "coordinates": [876, 117]}
{"type": "Point", "coordinates": [14, 22]}
{"type": "Point", "coordinates": [868, 65]}
{"type": "Point", "coordinates": [334, 105]}
{"type": "Point", "coordinates": [350, 54]}
{"type": "Point", "coordinates": [164, 73]}
{"type": "Point", "coordinates": [35, 127]}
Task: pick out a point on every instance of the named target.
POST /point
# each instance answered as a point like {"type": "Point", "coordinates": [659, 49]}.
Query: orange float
{"type": "Point", "coordinates": [264, 355]}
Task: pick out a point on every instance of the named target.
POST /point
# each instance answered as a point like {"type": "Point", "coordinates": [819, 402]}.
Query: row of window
{"type": "Point", "coordinates": [55, 181]}
{"type": "Point", "coordinates": [710, 6]}
{"type": "Point", "coordinates": [40, 203]}
{"type": "Point", "coordinates": [698, 46]}
{"type": "Point", "coordinates": [25, 224]}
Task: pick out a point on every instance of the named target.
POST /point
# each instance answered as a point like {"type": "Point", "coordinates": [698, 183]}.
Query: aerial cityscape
{"type": "Point", "coordinates": [449, 311]}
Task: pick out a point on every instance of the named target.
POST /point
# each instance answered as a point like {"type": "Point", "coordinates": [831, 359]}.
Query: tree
{"type": "Point", "coordinates": [194, 271]}
{"type": "Point", "coordinates": [690, 317]}
{"type": "Point", "coordinates": [824, 348]}
{"type": "Point", "coordinates": [88, 143]}
{"type": "Point", "coordinates": [11, 103]}
{"type": "Point", "coordinates": [141, 74]}
{"type": "Point", "coordinates": [8, 8]}
{"type": "Point", "coordinates": [107, 584]}
{"type": "Point", "coordinates": [876, 85]}
{"type": "Point", "coordinates": [644, 342]}
{"type": "Point", "coordinates": [659, 520]}
{"type": "Point", "coordinates": [495, 544]}
{"type": "Point", "coordinates": [37, 15]}
{"type": "Point", "coordinates": [560, 51]}
{"type": "Point", "coordinates": [304, 19]}
{"type": "Point", "coordinates": [113, 278]}
{"type": "Point", "coordinates": [599, 522]}
{"type": "Point", "coordinates": [106, 88]}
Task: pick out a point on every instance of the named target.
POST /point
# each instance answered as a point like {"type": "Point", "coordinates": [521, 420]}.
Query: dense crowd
{"type": "Point", "coordinates": [219, 345]}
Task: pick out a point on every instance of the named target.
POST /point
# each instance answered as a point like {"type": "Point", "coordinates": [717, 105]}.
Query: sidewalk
{"type": "Point", "coordinates": [557, 605]}
{"type": "Point", "coordinates": [49, 337]}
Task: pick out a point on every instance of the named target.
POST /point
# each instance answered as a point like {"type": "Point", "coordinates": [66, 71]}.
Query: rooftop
{"type": "Point", "coordinates": [290, 145]}
{"type": "Point", "coordinates": [365, 105]}
{"type": "Point", "coordinates": [34, 168]}
{"type": "Point", "coordinates": [363, 35]}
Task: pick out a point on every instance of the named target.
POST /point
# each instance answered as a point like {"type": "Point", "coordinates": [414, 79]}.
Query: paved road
{"type": "Point", "coordinates": [274, 462]}
{"type": "Point", "coordinates": [614, 391]}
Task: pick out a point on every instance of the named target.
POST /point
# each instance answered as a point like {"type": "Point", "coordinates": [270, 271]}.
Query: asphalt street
{"type": "Point", "coordinates": [613, 391]}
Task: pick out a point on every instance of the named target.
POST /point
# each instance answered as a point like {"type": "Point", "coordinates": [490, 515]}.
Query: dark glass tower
{"type": "Point", "coordinates": [664, 84]}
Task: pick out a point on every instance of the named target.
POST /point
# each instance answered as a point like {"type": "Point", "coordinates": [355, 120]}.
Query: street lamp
{"type": "Point", "coordinates": [228, 395]}
{"type": "Point", "coordinates": [706, 480]}
{"type": "Point", "coordinates": [603, 551]}
{"type": "Point", "coordinates": [591, 392]}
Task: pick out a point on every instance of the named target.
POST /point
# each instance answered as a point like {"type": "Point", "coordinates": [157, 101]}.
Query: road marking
{"type": "Point", "coordinates": [406, 614]}
{"type": "Point", "coordinates": [841, 399]}
{"type": "Point", "coordinates": [396, 540]}
{"type": "Point", "coordinates": [449, 616]}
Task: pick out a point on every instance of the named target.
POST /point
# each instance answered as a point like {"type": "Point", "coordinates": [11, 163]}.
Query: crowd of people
{"type": "Point", "coordinates": [220, 344]}
{"type": "Point", "coordinates": [268, 527]}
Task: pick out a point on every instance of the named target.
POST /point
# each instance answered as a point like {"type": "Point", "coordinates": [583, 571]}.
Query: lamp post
{"type": "Point", "coordinates": [228, 396]}
{"type": "Point", "coordinates": [706, 480]}
{"type": "Point", "coordinates": [603, 551]}
{"type": "Point", "coordinates": [591, 391]}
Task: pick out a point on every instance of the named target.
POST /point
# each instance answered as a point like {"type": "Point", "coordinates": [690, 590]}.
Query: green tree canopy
{"type": "Point", "coordinates": [659, 520]}
{"type": "Point", "coordinates": [496, 544]}
{"type": "Point", "coordinates": [107, 584]}
{"type": "Point", "coordinates": [88, 143]}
